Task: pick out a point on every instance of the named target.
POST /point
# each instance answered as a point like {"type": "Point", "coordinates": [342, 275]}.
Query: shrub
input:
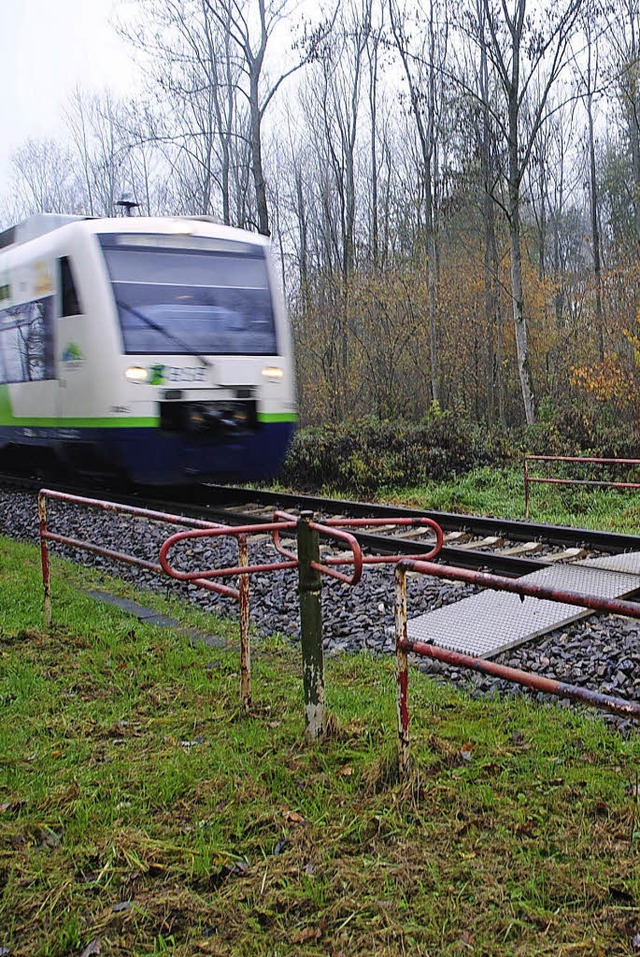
{"type": "Point", "coordinates": [579, 430]}
{"type": "Point", "coordinates": [367, 455]}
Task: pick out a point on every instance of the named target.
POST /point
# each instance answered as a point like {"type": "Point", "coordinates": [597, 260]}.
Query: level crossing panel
{"type": "Point", "coordinates": [490, 622]}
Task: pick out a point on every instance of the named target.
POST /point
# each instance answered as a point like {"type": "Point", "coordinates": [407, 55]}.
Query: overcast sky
{"type": "Point", "coordinates": [48, 47]}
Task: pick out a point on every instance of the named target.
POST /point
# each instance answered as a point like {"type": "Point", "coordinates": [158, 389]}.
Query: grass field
{"type": "Point", "coordinates": [500, 492]}
{"type": "Point", "coordinates": [142, 813]}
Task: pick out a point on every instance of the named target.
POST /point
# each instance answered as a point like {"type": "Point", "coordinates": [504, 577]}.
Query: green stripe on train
{"type": "Point", "coordinates": [277, 417]}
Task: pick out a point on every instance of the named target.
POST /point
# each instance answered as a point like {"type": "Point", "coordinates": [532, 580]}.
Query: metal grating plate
{"type": "Point", "coordinates": [490, 622]}
{"type": "Point", "coordinates": [628, 562]}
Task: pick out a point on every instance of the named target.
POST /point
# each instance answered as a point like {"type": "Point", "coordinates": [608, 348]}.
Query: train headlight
{"type": "Point", "coordinates": [136, 374]}
{"type": "Point", "coordinates": [273, 373]}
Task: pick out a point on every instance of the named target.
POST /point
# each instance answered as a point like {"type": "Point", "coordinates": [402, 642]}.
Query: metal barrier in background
{"type": "Point", "coordinates": [532, 479]}
{"type": "Point", "coordinates": [405, 646]}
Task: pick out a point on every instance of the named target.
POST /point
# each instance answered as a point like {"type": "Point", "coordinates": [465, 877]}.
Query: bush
{"type": "Point", "coordinates": [368, 455]}
{"type": "Point", "coordinates": [579, 430]}
{"type": "Point", "coordinates": [365, 456]}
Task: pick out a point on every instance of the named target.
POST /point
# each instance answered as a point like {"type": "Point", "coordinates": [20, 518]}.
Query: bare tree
{"type": "Point", "coordinates": [101, 137]}
{"type": "Point", "coordinates": [493, 311]}
{"type": "Point", "coordinates": [200, 122]}
{"type": "Point", "coordinates": [44, 180]}
{"type": "Point", "coordinates": [623, 36]}
{"type": "Point", "coordinates": [528, 52]}
{"type": "Point", "coordinates": [250, 38]}
{"type": "Point", "coordinates": [588, 84]}
{"type": "Point", "coordinates": [423, 70]}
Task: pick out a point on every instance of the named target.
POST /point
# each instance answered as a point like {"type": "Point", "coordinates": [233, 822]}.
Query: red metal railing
{"type": "Point", "coordinates": [404, 645]}
{"type": "Point", "coordinates": [543, 480]}
{"type": "Point", "coordinates": [285, 524]}
{"type": "Point", "coordinates": [327, 525]}
{"type": "Point", "coordinates": [243, 570]}
{"type": "Point", "coordinates": [197, 526]}
{"type": "Point", "coordinates": [310, 615]}
{"type": "Point", "coordinates": [47, 536]}
{"type": "Point", "coordinates": [211, 579]}
{"type": "Point", "coordinates": [310, 570]}
{"type": "Point", "coordinates": [313, 670]}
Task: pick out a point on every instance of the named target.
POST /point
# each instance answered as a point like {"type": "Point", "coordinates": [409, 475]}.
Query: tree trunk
{"type": "Point", "coordinates": [256, 157]}
{"type": "Point", "coordinates": [595, 228]}
{"type": "Point", "coordinates": [517, 300]}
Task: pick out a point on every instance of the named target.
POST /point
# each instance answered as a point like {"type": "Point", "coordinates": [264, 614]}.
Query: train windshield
{"type": "Point", "coordinates": [190, 294]}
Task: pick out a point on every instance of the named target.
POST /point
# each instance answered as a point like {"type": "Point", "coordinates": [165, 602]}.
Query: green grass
{"type": "Point", "coordinates": [500, 492]}
{"type": "Point", "coordinates": [140, 809]}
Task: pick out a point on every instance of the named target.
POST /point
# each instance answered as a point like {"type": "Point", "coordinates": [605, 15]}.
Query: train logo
{"type": "Point", "coordinates": [72, 353]}
{"type": "Point", "coordinates": [156, 375]}
{"type": "Point", "coordinates": [163, 374]}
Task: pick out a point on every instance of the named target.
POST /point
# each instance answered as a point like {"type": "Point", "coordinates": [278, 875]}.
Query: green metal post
{"type": "Point", "coordinates": [310, 588]}
{"type": "Point", "coordinates": [245, 640]}
{"type": "Point", "coordinates": [44, 555]}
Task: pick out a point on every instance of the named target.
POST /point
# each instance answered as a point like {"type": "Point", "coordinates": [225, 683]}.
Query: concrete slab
{"type": "Point", "coordinates": [151, 617]}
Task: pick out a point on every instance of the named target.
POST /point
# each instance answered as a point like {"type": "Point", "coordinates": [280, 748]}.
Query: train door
{"type": "Point", "coordinates": [74, 351]}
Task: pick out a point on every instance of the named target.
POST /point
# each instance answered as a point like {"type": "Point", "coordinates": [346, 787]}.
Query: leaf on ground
{"type": "Point", "coordinates": [122, 905]}
{"type": "Point", "coordinates": [307, 933]}
{"type": "Point", "coordinates": [467, 939]}
{"type": "Point", "coordinates": [14, 805]}
{"type": "Point", "coordinates": [92, 948]}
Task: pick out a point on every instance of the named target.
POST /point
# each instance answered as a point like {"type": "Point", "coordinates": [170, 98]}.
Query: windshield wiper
{"type": "Point", "coordinates": [165, 332]}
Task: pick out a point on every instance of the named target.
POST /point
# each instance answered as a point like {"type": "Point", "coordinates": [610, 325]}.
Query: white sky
{"type": "Point", "coordinates": [47, 48]}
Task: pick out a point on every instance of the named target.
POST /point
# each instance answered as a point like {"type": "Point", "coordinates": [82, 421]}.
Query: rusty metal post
{"type": "Point", "coordinates": [245, 644]}
{"type": "Point", "coordinates": [310, 588]}
{"type": "Point", "coordinates": [526, 489]}
{"type": "Point", "coordinates": [402, 672]}
{"type": "Point", "coordinates": [44, 556]}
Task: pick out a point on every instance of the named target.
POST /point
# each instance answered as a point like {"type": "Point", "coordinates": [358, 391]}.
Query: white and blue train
{"type": "Point", "coordinates": [156, 350]}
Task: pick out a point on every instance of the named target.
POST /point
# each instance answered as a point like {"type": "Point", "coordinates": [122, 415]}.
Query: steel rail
{"type": "Point", "coordinates": [207, 500]}
{"type": "Point", "coordinates": [514, 529]}
{"type": "Point", "coordinates": [393, 545]}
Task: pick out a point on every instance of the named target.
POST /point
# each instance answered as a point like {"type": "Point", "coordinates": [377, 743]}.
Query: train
{"type": "Point", "coordinates": [153, 350]}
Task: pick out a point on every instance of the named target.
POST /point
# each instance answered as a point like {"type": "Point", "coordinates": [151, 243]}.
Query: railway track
{"type": "Point", "coordinates": [504, 546]}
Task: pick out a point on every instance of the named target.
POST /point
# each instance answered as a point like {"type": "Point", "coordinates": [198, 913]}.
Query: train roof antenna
{"type": "Point", "coordinates": [128, 203]}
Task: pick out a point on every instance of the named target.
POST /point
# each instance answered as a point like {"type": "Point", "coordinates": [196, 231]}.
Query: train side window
{"type": "Point", "coordinates": [69, 300]}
